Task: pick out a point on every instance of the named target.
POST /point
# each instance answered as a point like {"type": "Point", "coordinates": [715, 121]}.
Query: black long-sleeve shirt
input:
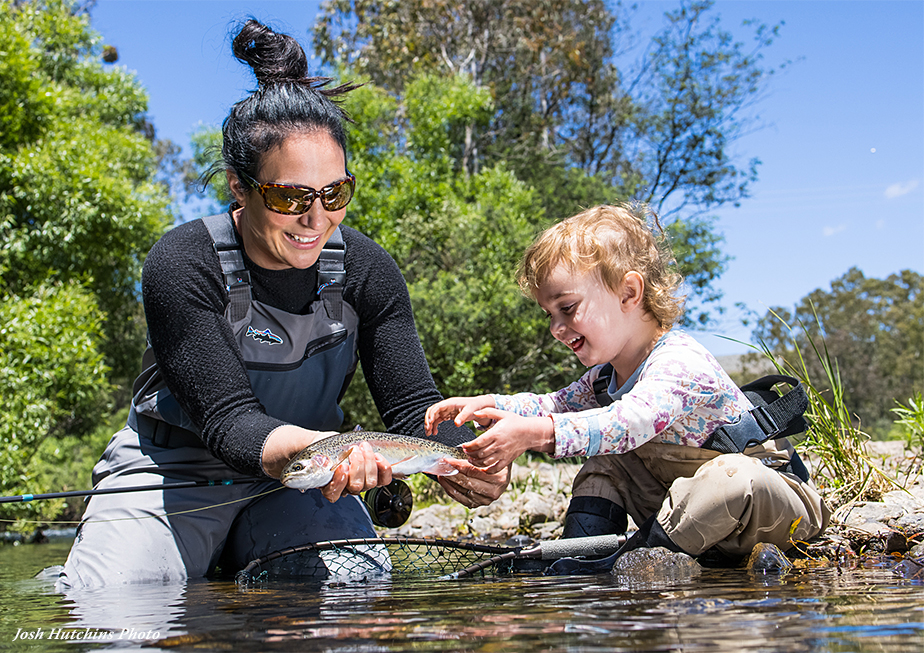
{"type": "Point", "coordinates": [184, 302]}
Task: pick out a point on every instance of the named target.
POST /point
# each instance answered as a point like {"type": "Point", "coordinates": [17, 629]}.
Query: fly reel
{"type": "Point", "coordinates": [389, 505]}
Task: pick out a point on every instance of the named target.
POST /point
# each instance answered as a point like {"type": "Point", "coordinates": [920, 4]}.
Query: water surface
{"type": "Point", "coordinates": [827, 609]}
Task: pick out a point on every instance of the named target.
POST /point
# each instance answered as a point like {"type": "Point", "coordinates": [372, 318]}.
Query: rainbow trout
{"type": "Point", "coordinates": [314, 465]}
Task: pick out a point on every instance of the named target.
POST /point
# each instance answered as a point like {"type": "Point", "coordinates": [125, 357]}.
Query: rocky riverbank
{"type": "Point", "coordinates": [539, 493]}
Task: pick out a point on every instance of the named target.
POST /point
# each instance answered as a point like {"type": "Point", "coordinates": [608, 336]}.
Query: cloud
{"type": "Point", "coordinates": [830, 231]}
{"type": "Point", "coordinates": [899, 189]}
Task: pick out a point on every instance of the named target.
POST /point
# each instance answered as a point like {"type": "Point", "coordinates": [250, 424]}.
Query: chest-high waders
{"type": "Point", "coordinates": [299, 366]}
{"type": "Point", "coordinates": [772, 417]}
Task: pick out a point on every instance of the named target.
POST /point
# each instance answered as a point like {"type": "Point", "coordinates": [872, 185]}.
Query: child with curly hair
{"type": "Point", "coordinates": [653, 396]}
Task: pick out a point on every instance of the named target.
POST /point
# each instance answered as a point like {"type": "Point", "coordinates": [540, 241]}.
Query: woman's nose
{"type": "Point", "coordinates": [316, 217]}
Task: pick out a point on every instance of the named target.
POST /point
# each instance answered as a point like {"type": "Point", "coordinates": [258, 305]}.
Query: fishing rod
{"type": "Point", "coordinates": [22, 498]}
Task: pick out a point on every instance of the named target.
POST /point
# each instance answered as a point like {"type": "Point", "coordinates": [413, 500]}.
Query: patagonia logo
{"type": "Point", "coordinates": [266, 336]}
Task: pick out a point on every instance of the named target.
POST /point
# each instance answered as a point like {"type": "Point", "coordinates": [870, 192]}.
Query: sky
{"type": "Point", "coordinates": [840, 132]}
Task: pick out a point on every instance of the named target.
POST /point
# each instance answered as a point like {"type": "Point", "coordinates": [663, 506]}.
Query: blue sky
{"type": "Point", "coordinates": [841, 142]}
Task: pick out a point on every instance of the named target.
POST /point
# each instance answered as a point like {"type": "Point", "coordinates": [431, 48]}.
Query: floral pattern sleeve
{"type": "Point", "coordinates": [682, 395]}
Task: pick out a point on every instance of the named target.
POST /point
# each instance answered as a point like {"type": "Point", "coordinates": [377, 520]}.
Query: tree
{"type": "Point", "coordinates": [79, 209]}
{"type": "Point", "coordinates": [568, 119]}
{"type": "Point", "coordinates": [457, 238]}
{"type": "Point", "coordinates": [52, 379]}
{"type": "Point", "coordinates": [873, 328]}
{"type": "Point", "coordinates": [78, 198]}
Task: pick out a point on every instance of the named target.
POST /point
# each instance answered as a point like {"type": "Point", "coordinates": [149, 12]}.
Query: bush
{"type": "Point", "coordinates": [53, 381]}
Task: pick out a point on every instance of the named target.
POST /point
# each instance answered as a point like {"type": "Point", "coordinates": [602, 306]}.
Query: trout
{"type": "Point", "coordinates": [314, 465]}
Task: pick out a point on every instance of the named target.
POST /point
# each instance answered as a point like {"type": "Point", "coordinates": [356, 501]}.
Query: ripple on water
{"type": "Point", "coordinates": [829, 609]}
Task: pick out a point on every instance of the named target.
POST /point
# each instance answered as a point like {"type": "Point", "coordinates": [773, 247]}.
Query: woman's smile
{"type": "Point", "coordinates": [278, 241]}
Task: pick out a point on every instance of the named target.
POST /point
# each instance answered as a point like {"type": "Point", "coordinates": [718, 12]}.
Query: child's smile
{"type": "Point", "coordinates": [583, 314]}
{"type": "Point", "coordinates": [596, 323]}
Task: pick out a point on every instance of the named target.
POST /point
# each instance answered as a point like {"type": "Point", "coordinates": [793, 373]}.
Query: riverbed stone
{"type": "Point", "coordinates": [767, 558]}
{"type": "Point", "coordinates": [906, 501]}
{"type": "Point", "coordinates": [909, 569]}
{"type": "Point", "coordinates": [655, 567]}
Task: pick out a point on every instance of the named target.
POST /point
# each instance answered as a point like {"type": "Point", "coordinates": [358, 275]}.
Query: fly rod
{"type": "Point", "coordinates": [22, 498]}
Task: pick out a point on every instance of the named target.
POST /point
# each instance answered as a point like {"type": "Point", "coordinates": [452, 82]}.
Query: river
{"type": "Point", "coordinates": [826, 609]}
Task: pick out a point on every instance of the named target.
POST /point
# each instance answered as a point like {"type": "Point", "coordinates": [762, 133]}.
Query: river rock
{"type": "Point", "coordinates": [909, 569]}
{"type": "Point", "coordinates": [655, 567]}
{"type": "Point", "coordinates": [767, 558]}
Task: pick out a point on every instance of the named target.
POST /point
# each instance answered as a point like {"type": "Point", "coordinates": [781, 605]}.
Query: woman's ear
{"type": "Point", "coordinates": [237, 188]}
{"type": "Point", "coordinates": [632, 290]}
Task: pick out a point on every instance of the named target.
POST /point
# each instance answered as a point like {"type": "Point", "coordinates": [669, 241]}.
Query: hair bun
{"type": "Point", "coordinates": [273, 57]}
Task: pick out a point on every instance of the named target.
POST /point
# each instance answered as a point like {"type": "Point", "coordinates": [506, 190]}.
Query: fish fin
{"type": "Point", "coordinates": [404, 467]}
{"type": "Point", "coordinates": [441, 468]}
{"type": "Point", "coordinates": [341, 458]}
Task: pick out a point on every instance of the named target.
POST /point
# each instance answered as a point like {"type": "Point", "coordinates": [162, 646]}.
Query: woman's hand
{"type": "Point", "coordinates": [473, 487]}
{"type": "Point", "coordinates": [363, 470]}
{"type": "Point", "coordinates": [458, 409]}
{"type": "Point", "coordinates": [508, 439]}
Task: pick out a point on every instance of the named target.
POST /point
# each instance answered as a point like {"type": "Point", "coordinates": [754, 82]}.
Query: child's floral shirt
{"type": "Point", "coordinates": [681, 396]}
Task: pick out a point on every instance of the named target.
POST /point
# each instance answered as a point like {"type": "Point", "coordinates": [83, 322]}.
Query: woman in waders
{"type": "Point", "coordinates": [256, 320]}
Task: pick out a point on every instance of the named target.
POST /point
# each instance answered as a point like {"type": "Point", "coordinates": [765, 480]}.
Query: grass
{"type": "Point", "coordinates": [834, 443]}
{"type": "Point", "coordinates": [910, 420]}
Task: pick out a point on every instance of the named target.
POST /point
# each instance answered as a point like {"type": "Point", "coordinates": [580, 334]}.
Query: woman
{"type": "Point", "coordinates": [256, 318]}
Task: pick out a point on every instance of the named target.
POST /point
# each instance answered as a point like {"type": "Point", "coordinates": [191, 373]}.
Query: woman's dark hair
{"type": "Point", "coordinates": [287, 101]}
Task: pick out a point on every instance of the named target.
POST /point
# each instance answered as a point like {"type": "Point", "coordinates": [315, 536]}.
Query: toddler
{"type": "Point", "coordinates": [641, 414]}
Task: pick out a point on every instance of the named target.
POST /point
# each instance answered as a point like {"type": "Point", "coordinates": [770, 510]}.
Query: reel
{"type": "Point", "coordinates": [389, 505]}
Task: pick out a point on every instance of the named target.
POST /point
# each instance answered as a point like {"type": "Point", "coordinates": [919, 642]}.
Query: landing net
{"type": "Point", "coordinates": [366, 558]}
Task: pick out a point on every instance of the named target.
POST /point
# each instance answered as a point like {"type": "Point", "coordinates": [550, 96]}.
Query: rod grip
{"type": "Point", "coordinates": [597, 545]}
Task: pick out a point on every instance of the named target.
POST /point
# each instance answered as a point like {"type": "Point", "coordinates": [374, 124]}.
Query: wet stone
{"type": "Point", "coordinates": [768, 558]}
{"type": "Point", "coordinates": [657, 566]}
{"type": "Point", "coordinates": [909, 569]}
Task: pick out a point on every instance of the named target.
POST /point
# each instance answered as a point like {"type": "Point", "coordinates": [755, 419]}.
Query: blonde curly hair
{"type": "Point", "coordinates": [610, 241]}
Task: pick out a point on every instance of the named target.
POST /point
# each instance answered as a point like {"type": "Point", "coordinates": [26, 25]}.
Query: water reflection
{"type": "Point", "coordinates": [826, 609]}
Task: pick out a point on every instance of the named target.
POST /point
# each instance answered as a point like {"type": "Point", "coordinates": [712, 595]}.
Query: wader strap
{"type": "Point", "coordinates": [237, 278]}
{"type": "Point", "coordinates": [331, 269]}
{"type": "Point", "coordinates": [601, 385]}
{"type": "Point", "coordinates": [772, 417]}
{"type": "Point", "coordinates": [162, 434]}
{"type": "Point", "coordinates": [331, 275]}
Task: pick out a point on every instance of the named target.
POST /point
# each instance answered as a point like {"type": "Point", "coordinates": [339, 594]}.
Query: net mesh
{"type": "Point", "coordinates": [362, 558]}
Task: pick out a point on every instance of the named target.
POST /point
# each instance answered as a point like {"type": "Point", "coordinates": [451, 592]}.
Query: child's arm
{"type": "Point", "coordinates": [510, 437]}
{"type": "Point", "coordinates": [459, 409]}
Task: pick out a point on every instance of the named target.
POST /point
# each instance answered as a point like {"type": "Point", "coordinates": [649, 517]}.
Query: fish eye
{"type": "Point", "coordinates": [297, 467]}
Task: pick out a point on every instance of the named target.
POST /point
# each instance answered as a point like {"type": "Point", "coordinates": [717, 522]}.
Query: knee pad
{"type": "Point", "coordinates": [589, 516]}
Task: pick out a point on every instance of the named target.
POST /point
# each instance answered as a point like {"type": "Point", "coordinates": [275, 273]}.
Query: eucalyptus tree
{"type": "Point", "coordinates": [577, 115]}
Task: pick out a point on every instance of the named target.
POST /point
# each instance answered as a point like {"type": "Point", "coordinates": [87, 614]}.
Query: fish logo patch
{"type": "Point", "coordinates": [266, 336]}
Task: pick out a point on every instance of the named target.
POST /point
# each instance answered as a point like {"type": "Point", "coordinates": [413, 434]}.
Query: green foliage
{"type": "Point", "coordinates": [457, 237]}
{"type": "Point", "coordinates": [52, 379]}
{"type": "Point", "coordinates": [571, 117]}
{"type": "Point", "coordinates": [79, 209]}
{"type": "Point", "coordinates": [78, 200]}
{"type": "Point", "coordinates": [910, 421]}
{"type": "Point", "coordinates": [875, 330]}
{"type": "Point", "coordinates": [206, 147]}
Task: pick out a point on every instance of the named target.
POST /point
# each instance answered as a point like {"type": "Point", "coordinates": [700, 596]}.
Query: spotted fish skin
{"type": "Point", "coordinates": [314, 465]}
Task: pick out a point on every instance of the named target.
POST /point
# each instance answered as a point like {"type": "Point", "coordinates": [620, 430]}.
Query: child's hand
{"type": "Point", "coordinates": [508, 439]}
{"type": "Point", "coordinates": [459, 409]}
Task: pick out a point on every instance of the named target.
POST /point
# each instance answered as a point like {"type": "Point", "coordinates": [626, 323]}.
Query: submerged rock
{"type": "Point", "coordinates": [657, 566]}
{"type": "Point", "coordinates": [767, 558]}
{"type": "Point", "coordinates": [909, 569]}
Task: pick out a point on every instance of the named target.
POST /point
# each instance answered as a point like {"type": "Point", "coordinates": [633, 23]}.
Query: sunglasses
{"type": "Point", "coordinates": [290, 199]}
